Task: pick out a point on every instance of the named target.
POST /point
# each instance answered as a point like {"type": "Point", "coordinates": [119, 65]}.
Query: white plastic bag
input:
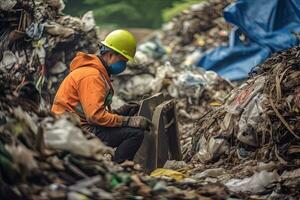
{"type": "Point", "coordinates": [254, 184]}
{"type": "Point", "coordinates": [63, 135]}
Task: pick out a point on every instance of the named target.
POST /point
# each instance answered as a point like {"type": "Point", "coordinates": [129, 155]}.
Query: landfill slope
{"type": "Point", "coordinates": [254, 137]}
{"type": "Point", "coordinates": [38, 41]}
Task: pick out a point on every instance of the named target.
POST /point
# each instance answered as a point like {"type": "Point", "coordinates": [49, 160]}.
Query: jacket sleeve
{"type": "Point", "coordinates": [92, 94]}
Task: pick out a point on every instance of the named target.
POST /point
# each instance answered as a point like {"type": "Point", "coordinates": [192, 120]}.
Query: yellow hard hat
{"type": "Point", "coordinates": [121, 41]}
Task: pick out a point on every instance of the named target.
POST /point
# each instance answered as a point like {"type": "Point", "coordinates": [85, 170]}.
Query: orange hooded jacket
{"type": "Point", "coordinates": [87, 91]}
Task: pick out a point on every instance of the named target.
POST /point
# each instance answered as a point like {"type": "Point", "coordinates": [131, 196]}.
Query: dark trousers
{"type": "Point", "coordinates": [127, 140]}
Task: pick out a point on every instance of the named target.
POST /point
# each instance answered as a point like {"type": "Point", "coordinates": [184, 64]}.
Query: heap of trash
{"type": "Point", "coordinates": [195, 30]}
{"type": "Point", "coordinates": [237, 142]}
{"type": "Point", "coordinates": [165, 62]}
{"type": "Point", "coordinates": [48, 157]}
{"type": "Point", "coordinates": [251, 142]}
{"type": "Point", "coordinates": [196, 91]}
{"type": "Point", "coordinates": [184, 39]}
{"type": "Point", "coordinates": [38, 41]}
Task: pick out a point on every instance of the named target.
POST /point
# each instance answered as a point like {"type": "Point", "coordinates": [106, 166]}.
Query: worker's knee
{"type": "Point", "coordinates": [138, 133]}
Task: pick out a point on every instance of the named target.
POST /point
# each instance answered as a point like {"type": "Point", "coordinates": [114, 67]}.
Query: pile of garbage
{"type": "Point", "coordinates": [38, 41]}
{"type": "Point", "coordinates": [48, 157]}
{"type": "Point", "coordinates": [195, 30]}
{"type": "Point", "coordinates": [195, 90]}
{"type": "Point", "coordinates": [165, 63]}
{"type": "Point", "coordinates": [255, 134]}
{"type": "Point", "coordinates": [244, 142]}
{"type": "Point", "coordinates": [184, 39]}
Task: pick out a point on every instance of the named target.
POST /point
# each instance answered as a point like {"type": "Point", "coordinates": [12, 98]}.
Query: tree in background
{"type": "Point", "coordinates": [125, 13]}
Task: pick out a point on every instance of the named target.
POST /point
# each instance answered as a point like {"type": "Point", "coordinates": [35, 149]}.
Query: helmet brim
{"type": "Point", "coordinates": [118, 51]}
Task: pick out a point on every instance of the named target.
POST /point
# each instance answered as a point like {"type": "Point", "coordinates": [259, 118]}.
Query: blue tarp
{"type": "Point", "coordinates": [269, 26]}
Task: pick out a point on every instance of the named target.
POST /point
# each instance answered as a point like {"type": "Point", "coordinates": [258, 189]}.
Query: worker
{"type": "Point", "coordinates": [87, 92]}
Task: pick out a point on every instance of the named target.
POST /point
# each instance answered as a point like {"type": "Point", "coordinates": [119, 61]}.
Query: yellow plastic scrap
{"type": "Point", "coordinates": [159, 172]}
{"type": "Point", "coordinates": [215, 104]}
{"type": "Point", "coordinates": [200, 40]}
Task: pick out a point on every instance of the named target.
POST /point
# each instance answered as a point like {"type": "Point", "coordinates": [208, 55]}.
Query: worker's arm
{"type": "Point", "coordinates": [92, 94]}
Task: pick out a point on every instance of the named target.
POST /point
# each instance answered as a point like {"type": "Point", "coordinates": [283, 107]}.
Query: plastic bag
{"type": "Point", "coordinates": [64, 135]}
{"type": "Point", "coordinates": [88, 21]}
{"type": "Point", "coordinates": [254, 184]}
{"type": "Point", "coordinates": [249, 121]}
{"type": "Point", "coordinates": [168, 173]}
{"type": "Point", "coordinates": [211, 149]}
{"type": "Point", "coordinates": [244, 95]}
{"type": "Point", "coordinates": [9, 59]}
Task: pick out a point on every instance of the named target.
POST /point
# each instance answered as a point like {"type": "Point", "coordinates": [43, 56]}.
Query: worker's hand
{"type": "Point", "coordinates": [137, 122]}
{"type": "Point", "coordinates": [128, 109]}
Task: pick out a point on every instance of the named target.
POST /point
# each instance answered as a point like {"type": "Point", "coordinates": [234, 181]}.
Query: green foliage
{"type": "Point", "coordinates": [178, 7]}
{"type": "Point", "coordinates": [123, 13]}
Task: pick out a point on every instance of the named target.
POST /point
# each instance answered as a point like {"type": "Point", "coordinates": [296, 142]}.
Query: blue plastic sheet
{"type": "Point", "coordinates": [269, 26]}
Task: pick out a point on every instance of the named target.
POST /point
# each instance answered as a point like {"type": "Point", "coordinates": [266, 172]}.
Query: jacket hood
{"type": "Point", "coordinates": [88, 60]}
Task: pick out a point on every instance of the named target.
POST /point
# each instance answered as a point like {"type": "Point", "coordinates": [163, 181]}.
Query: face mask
{"type": "Point", "coordinates": [117, 67]}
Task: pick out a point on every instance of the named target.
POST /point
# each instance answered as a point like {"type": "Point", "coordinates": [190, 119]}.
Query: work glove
{"type": "Point", "coordinates": [137, 122]}
{"type": "Point", "coordinates": [128, 109]}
